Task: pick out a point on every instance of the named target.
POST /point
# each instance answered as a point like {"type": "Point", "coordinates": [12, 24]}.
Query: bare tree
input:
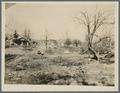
{"type": "Point", "coordinates": [25, 33]}
{"type": "Point", "coordinates": [46, 39]}
{"type": "Point", "coordinates": [29, 35]}
{"type": "Point", "coordinates": [92, 24]}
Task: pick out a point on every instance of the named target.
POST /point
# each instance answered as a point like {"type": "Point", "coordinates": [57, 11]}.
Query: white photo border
{"type": "Point", "coordinates": [11, 87]}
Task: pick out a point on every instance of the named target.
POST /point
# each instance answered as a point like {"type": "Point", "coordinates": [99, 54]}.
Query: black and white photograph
{"type": "Point", "coordinates": [64, 45]}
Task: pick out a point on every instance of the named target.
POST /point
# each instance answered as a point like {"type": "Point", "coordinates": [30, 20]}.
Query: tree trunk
{"type": "Point", "coordinates": [93, 52]}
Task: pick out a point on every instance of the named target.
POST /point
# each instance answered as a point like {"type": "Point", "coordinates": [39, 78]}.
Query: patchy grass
{"type": "Point", "coordinates": [57, 69]}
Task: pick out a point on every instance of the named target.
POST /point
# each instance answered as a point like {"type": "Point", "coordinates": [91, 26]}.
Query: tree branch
{"type": "Point", "coordinates": [101, 39]}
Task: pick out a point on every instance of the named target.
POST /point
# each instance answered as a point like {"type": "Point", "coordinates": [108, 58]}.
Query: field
{"type": "Point", "coordinates": [56, 67]}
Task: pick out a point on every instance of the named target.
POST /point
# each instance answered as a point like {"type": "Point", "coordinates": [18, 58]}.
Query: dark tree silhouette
{"type": "Point", "coordinates": [68, 42]}
{"type": "Point", "coordinates": [76, 42]}
{"type": "Point", "coordinates": [15, 35]}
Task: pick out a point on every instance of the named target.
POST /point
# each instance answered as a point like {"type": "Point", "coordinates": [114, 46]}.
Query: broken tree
{"type": "Point", "coordinates": [92, 23]}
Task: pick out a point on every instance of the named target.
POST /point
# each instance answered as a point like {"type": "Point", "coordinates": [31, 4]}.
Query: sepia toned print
{"type": "Point", "coordinates": [60, 44]}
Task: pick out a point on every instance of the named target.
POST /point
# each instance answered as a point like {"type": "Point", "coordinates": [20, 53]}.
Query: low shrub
{"type": "Point", "coordinates": [9, 57]}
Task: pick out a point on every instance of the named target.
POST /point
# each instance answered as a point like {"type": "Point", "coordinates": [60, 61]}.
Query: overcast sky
{"type": "Point", "coordinates": [57, 19]}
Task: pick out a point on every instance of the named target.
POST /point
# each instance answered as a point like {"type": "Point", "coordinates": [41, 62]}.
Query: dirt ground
{"type": "Point", "coordinates": [28, 67]}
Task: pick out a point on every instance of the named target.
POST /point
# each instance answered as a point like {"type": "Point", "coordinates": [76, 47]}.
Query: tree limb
{"type": "Point", "coordinates": [101, 39]}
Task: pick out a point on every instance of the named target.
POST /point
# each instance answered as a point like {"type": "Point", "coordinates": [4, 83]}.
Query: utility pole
{"type": "Point", "coordinates": [46, 39]}
{"type": "Point", "coordinates": [29, 34]}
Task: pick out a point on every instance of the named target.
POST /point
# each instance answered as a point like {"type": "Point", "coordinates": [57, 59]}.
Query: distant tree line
{"type": "Point", "coordinates": [68, 42]}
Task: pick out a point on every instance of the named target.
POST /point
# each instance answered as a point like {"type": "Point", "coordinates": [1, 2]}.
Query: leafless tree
{"type": "Point", "coordinates": [25, 33]}
{"type": "Point", "coordinates": [46, 39]}
{"type": "Point", "coordinates": [92, 24]}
